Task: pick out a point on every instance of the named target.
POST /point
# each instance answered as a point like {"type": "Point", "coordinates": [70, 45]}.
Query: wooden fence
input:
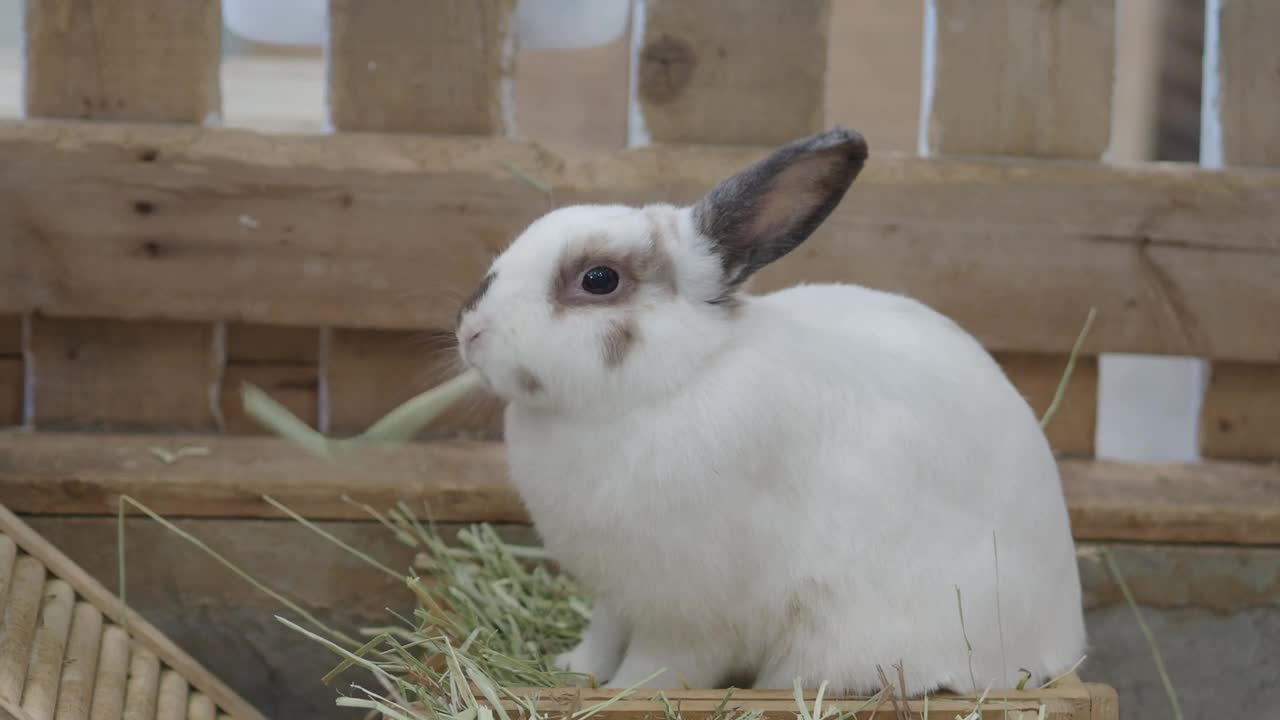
{"type": "Point", "coordinates": [150, 261]}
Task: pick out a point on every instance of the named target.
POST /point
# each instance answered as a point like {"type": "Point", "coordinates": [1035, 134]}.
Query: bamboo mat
{"type": "Point", "coordinates": [65, 656]}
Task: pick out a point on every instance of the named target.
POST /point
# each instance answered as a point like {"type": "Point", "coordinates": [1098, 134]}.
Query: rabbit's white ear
{"type": "Point", "coordinates": [768, 209]}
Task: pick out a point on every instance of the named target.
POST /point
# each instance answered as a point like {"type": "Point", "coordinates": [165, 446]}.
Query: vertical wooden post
{"type": "Point", "coordinates": [123, 60]}
{"type": "Point", "coordinates": [1012, 77]}
{"type": "Point", "coordinates": [873, 73]}
{"type": "Point", "coordinates": [420, 65]}
{"type": "Point", "coordinates": [426, 66]}
{"type": "Point", "coordinates": [732, 71]}
{"type": "Point", "coordinates": [1240, 418]}
{"type": "Point", "coordinates": [1007, 77]}
{"type": "Point", "coordinates": [11, 370]}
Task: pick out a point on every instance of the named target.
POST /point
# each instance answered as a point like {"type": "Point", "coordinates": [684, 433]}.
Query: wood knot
{"type": "Point", "coordinates": [666, 66]}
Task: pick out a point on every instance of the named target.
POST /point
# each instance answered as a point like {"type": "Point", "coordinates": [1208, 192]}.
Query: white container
{"type": "Point", "coordinates": [278, 22]}
{"type": "Point", "coordinates": [570, 24]}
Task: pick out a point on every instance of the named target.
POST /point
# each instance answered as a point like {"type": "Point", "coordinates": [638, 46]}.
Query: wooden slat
{"type": "Point", "coordinates": [10, 335]}
{"type": "Point", "coordinates": [419, 65]}
{"type": "Point", "coordinates": [283, 361]}
{"type": "Point", "coordinates": [372, 371]}
{"type": "Point", "coordinates": [144, 633]}
{"type": "Point", "coordinates": [1177, 260]}
{"type": "Point", "coordinates": [144, 685]}
{"type": "Point", "coordinates": [1240, 418]}
{"type": "Point", "coordinates": [733, 71]}
{"type": "Point", "coordinates": [1022, 78]}
{"type": "Point", "coordinates": [123, 375]}
{"type": "Point", "coordinates": [113, 675]}
{"type": "Point", "coordinates": [172, 703]}
{"type": "Point", "coordinates": [574, 96]}
{"type": "Point", "coordinates": [11, 370]}
{"type": "Point", "coordinates": [1248, 81]}
{"type": "Point", "coordinates": [19, 626]}
{"type": "Point", "coordinates": [123, 59]}
{"type": "Point", "coordinates": [11, 383]}
{"type": "Point", "coordinates": [201, 708]}
{"type": "Point", "coordinates": [873, 73]}
{"type": "Point", "coordinates": [75, 692]}
{"type": "Point", "coordinates": [8, 555]}
{"type": "Point", "coordinates": [48, 650]}
{"type": "Point", "coordinates": [464, 482]}
{"type": "Point", "coordinates": [1071, 431]}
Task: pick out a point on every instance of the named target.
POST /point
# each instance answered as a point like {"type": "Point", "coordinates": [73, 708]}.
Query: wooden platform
{"type": "Point", "coordinates": [64, 654]}
{"type": "Point", "coordinates": [84, 474]}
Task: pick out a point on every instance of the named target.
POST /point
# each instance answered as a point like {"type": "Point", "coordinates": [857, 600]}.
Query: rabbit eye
{"type": "Point", "coordinates": [600, 280]}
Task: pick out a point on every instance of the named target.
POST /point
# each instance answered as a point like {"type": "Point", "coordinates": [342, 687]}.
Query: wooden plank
{"type": "Point", "coordinates": [52, 472]}
{"type": "Point", "coordinates": [1176, 259]}
{"type": "Point", "coordinates": [873, 71]}
{"type": "Point", "coordinates": [574, 96]}
{"type": "Point", "coordinates": [19, 625]}
{"type": "Point", "coordinates": [10, 335]}
{"type": "Point", "coordinates": [370, 372]}
{"type": "Point", "coordinates": [419, 65]}
{"type": "Point", "coordinates": [75, 692]}
{"type": "Point", "coordinates": [12, 378]}
{"type": "Point", "coordinates": [55, 474]}
{"type": "Point", "coordinates": [172, 704]}
{"type": "Point", "coordinates": [144, 685]}
{"type": "Point", "coordinates": [1248, 63]}
{"type": "Point", "coordinates": [1022, 78]}
{"type": "Point", "coordinates": [123, 59]}
{"type": "Point", "coordinates": [48, 649]}
{"type": "Point", "coordinates": [283, 361]}
{"type": "Point", "coordinates": [143, 632]}
{"type": "Point", "coordinates": [1240, 418]}
{"type": "Point", "coordinates": [113, 675]}
{"type": "Point", "coordinates": [1071, 431]}
{"type": "Point", "coordinates": [123, 375]}
{"type": "Point", "coordinates": [733, 71]}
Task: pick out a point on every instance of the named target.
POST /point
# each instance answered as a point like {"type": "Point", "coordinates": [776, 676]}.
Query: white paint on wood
{"type": "Point", "coordinates": [1118, 36]}
{"type": "Point", "coordinates": [507, 85]}
{"type": "Point", "coordinates": [1210, 86]}
{"type": "Point", "coordinates": [28, 376]}
{"type": "Point", "coordinates": [323, 411]}
{"type": "Point", "coordinates": [1149, 408]}
{"type": "Point", "coordinates": [927, 66]}
{"type": "Point", "coordinates": [219, 351]}
{"type": "Point", "coordinates": [637, 131]}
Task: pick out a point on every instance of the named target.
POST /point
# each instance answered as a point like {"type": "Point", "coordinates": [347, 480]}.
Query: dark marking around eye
{"type": "Point", "coordinates": [618, 341]}
{"type": "Point", "coordinates": [528, 381]}
{"type": "Point", "coordinates": [476, 296]}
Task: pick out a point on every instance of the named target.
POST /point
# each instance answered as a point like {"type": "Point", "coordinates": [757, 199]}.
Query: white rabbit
{"type": "Point", "coordinates": [763, 488]}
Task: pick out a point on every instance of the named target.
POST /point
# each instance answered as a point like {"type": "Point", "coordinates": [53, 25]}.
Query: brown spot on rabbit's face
{"type": "Point", "coordinates": [619, 339]}
{"type": "Point", "coordinates": [528, 382]}
{"type": "Point", "coordinates": [596, 274]}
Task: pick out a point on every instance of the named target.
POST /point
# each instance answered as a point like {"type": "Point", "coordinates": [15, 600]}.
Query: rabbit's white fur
{"type": "Point", "coordinates": [792, 486]}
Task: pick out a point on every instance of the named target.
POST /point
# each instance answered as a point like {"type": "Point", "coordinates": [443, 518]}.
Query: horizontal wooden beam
{"type": "Point", "coordinates": [387, 232]}
{"type": "Point", "coordinates": [57, 473]}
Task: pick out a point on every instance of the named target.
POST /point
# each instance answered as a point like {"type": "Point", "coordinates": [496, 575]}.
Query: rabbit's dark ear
{"type": "Point", "coordinates": [768, 209]}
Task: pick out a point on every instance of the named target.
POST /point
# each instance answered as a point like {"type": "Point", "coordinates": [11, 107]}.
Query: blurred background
{"type": "Point", "coordinates": [572, 89]}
